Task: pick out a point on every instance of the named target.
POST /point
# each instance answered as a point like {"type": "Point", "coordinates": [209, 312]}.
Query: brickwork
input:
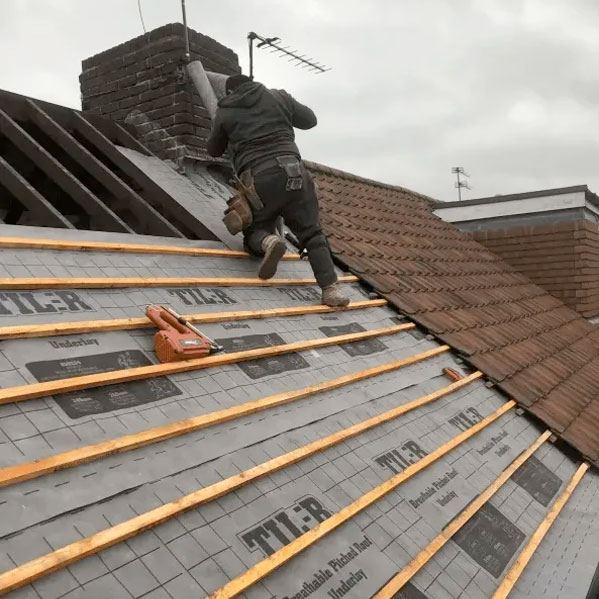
{"type": "Point", "coordinates": [142, 83]}
{"type": "Point", "coordinates": [563, 258]}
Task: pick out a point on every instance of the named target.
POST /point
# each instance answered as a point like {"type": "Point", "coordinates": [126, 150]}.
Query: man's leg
{"type": "Point", "coordinates": [301, 214]}
{"type": "Point", "coordinates": [260, 238]}
{"type": "Point", "coordinates": [254, 236]}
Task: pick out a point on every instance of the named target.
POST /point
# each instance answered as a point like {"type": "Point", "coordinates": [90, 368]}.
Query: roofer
{"type": "Point", "coordinates": [256, 124]}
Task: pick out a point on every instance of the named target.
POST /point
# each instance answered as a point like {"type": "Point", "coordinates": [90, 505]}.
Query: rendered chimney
{"type": "Point", "coordinates": [143, 84]}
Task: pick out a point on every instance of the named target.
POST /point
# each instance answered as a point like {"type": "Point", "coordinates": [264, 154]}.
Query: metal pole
{"type": "Point", "coordinates": [251, 48]}
{"type": "Point", "coordinates": [459, 187]}
{"type": "Point", "coordinates": [187, 52]}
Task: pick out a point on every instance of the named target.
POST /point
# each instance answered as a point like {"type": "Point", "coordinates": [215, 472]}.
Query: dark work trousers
{"type": "Point", "coordinates": [300, 211]}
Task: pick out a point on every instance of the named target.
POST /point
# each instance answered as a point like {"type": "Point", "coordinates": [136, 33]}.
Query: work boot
{"type": "Point", "coordinates": [274, 248]}
{"type": "Point", "coordinates": [332, 296]}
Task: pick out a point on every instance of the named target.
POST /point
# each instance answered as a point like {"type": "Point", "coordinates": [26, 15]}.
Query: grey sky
{"type": "Point", "coordinates": [507, 88]}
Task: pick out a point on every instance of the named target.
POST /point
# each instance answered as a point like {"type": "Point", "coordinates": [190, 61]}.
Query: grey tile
{"type": "Point", "coordinates": [437, 591]}
{"type": "Point", "coordinates": [188, 551]}
{"type": "Point", "coordinates": [159, 593]}
{"type": "Point", "coordinates": [56, 584]}
{"type": "Point", "coordinates": [209, 575]}
{"type": "Point", "coordinates": [26, 592]}
{"type": "Point", "coordinates": [106, 586]}
{"type": "Point", "coordinates": [229, 563]}
{"type": "Point", "coordinates": [116, 556]}
{"type": "Point", "coordinates": [44, 420]}
{"type": "Point", "coordinates": [136, 578]}
{"type": "Point", "coordinates": [163, 565]}
{"type": "Point", "coordinates": [17, 427]}
{"type": "Point", "coordinates": [170, 530]}
{"type": "Point", "coordinates": [88, 569]}
{"type": "Point", "coordinates": [209, 540]}
{"type": "Point", "coordinates": [144, 543]}
{"type": "Point", "coordinates": [22, 549]}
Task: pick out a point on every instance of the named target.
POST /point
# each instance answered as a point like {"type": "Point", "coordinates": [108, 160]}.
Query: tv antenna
{"type": "Point", "coordinates": [459, 184]}
{"type": "Point", "coordinates": [295, 57]}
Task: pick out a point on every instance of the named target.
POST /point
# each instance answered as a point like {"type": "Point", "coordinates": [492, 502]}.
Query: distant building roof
{"type": "Point", "coordinates": [522, 209]}
{"type": "Point", "coordinates": [522, 196]}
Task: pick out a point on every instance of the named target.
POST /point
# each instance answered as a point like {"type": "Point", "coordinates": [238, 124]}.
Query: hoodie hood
{"type": "Point", "coordinates": [244, 96]}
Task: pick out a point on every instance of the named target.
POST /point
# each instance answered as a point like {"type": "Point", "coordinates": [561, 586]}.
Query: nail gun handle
{"type": "Point", "coordinates": [164, 320]}
{"type": "Point", "coordinates": [178, 323]}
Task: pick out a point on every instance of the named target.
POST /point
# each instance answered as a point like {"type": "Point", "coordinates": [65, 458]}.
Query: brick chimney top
{"type": "Point", "coordinates": [143, 84]}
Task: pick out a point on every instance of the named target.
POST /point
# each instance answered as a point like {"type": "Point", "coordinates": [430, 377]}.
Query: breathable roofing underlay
{"type": "Point", "coordinates": [295, 464]}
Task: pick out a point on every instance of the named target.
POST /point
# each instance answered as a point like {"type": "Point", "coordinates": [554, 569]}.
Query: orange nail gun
{"type": "Point", "coordinates": [177, 339]}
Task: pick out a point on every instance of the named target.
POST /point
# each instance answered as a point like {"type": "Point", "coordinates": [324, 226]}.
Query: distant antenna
{"type": "Point", "coordinates": [457, 171]}
{"type": "Point", "coordinates": [295, 57]}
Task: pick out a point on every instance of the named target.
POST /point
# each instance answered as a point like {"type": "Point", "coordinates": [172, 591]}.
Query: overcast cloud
{"type": "Point", "coordinates": [508, 89]}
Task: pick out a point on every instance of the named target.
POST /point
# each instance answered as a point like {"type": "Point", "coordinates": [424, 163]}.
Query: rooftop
{"type": "Point", "coordinates": [411, 446]}
{"type": "Point", "coordinates": [523, 196]}
{"type": "Point", "coordinates": [527, 341]}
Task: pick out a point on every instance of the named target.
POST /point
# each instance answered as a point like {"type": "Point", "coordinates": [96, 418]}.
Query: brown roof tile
{"type": "Point", "coordinates": [539, 351]}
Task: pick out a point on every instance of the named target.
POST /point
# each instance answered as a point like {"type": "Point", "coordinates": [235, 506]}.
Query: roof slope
{"type": "Point", "coordinates": [195, 552]}
{"type": "Point", "coordinates": [228, 460]}
{"type": "Point", "coordinates": [539, 351]}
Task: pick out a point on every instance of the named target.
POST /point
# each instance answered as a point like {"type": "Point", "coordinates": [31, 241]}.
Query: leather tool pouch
{"type": "Point", "coordinates": [245, 185]}
{"type": "Point", "coordinates": [238, 215]}
{"type": "Point", "coordinates": [293, 169]}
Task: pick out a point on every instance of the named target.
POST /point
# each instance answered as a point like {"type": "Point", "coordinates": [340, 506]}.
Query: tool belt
{"type": "Point", "coordinates": [238, 215]}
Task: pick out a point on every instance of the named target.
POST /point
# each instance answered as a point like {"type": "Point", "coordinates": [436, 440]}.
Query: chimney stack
{"type": "Point", "coordinates": [143, 84]}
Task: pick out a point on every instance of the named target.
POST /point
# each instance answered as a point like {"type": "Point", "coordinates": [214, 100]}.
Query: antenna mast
{"type": "Point", "coordinates": [184, 12]}
{"type": "Point", "coordinates": [295, 57]}
{"type": "Point", "coordinates": [457, 171]}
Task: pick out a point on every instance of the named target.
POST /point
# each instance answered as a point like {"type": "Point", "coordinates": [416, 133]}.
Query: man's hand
{"type": "Point", "coordinates": [218, 138]}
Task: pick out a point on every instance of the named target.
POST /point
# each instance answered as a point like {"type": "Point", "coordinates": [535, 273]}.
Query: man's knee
{"type": "Point", "coordinates": [315, 239]}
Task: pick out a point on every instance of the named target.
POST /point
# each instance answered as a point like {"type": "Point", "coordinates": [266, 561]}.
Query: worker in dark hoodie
{"type": "Point", "coordinates": [256, 125]}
